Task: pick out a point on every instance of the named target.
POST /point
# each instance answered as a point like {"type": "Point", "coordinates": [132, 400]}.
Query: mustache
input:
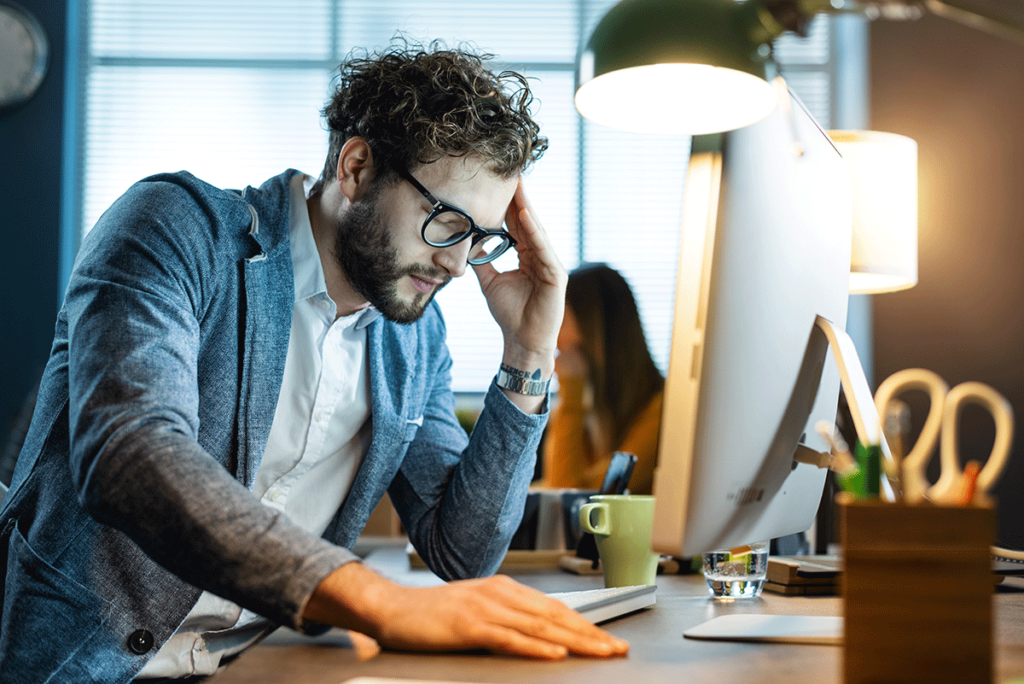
{"type": "Point", "coordinates": [422, 271]}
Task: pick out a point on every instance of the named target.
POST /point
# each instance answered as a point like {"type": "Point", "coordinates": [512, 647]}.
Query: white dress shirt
{"type": "Point", "coordinates": [319, 436]}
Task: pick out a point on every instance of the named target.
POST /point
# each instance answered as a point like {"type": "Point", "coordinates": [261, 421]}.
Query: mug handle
{"type": "Point", "coordinates": [603, 525]}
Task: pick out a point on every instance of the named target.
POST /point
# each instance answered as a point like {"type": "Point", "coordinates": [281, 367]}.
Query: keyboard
{"type": "Point", "coordinates": [600, 605]}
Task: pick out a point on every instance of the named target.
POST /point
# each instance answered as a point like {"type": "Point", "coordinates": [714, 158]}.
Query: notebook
{"type": "Point", "coordinates": [804, 575]}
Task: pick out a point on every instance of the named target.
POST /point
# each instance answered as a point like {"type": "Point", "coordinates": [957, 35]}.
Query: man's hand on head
{"type": "Point", "coordinates": [497, 614]}
{"type": "Point", "coordinates": [528, 302]}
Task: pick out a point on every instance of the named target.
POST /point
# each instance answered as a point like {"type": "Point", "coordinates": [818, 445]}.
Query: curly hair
{"type": "Point", "coordinates": [415, 105]}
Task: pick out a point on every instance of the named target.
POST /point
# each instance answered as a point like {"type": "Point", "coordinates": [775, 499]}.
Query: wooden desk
{"type": "Point", "coordinates": [659, 652]}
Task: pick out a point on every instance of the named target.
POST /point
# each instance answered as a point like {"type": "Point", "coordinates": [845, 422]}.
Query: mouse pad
{"type": "Point", "coordinates": [783, 629]}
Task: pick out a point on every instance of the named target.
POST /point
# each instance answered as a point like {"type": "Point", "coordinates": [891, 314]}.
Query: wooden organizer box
{"type": "Point", "coordinates": [917, 593]}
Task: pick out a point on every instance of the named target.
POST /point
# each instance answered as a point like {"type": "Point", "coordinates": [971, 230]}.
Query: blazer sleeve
{"type": "Point", "coordinates": [142, 285]}
{"type": "Point", "coordinates": [460, 499]}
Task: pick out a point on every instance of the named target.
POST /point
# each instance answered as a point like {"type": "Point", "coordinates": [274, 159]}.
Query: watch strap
{"type": "Point", "coordinates": [521, 382]}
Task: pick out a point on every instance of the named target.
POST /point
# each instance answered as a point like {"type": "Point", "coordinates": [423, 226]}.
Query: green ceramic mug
{"type": "Point", "coordinates": [621, 525]}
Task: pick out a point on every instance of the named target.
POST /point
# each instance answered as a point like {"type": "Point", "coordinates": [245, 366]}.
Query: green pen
{"type": "Point", "coordinates": [869, 460]}
{"type": "Point", "coordinates": [850, 480]}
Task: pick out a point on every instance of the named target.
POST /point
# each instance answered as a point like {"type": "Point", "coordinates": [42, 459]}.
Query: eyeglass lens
{"type": "Point", "coordinates": [449, 227]}
{"type": "Point", "coordinates": [488, 247]}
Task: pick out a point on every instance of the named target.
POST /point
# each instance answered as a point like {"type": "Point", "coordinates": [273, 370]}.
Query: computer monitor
{"type": "Point", "coordinates": [764, 251]}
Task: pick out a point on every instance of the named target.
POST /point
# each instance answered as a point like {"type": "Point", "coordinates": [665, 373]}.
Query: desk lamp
{"type": "Point", "coordinates": [883, 174]}
{"type": "Point", "coordinates": [703, 66]}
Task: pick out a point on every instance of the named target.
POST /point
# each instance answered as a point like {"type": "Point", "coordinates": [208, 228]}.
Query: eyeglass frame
{"type": "Point", "coordinates": [477, 233]}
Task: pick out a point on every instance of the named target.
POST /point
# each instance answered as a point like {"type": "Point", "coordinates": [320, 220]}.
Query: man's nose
{"type": "Point", "coordinates": [453, 259]}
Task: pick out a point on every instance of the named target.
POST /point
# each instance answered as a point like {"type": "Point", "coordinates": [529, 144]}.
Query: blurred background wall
{"type": "Point", "coordinates": [960, 94]}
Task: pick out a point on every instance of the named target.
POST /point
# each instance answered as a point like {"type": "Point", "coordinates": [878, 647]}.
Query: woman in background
{"type": "Point", "coordinates": [609, 388]}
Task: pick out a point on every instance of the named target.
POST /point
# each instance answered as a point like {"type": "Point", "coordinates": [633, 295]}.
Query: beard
{"type": "Point", "coordinates": [366, 253]}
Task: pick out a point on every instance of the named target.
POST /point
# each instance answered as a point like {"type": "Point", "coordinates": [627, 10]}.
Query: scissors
{"type": "Point", "coordinates": [956, 483]}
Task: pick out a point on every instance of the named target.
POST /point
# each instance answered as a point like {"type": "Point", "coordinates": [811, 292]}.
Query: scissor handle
{"type": "Point", "coordinates": [911, 473]}
{"type": "Point", "coordinates": [946, 489]}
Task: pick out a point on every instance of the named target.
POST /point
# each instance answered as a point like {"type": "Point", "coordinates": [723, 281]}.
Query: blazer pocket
{"type": "Point", "coordinates": [411, 427]}
{"type": "Point", "coordinates": [40, 602]}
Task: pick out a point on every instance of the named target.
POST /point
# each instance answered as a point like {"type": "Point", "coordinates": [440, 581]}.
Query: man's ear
{"type": "Point", "coordinates": [355, 172]}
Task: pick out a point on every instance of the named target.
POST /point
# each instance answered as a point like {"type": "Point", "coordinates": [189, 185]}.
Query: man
{"type": "Point", "coordinates": [237, 378]}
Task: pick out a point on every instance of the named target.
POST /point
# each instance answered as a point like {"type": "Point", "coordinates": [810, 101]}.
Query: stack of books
{"type": "Point", "coordinates": [806, 575]}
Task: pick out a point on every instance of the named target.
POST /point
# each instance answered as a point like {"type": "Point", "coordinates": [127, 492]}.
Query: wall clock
{"type": "Point", "coordinates": [23, 54]}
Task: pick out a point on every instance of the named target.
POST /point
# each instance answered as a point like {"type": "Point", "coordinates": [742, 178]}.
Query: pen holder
{"type": "Point", "coordinates": [917, 593]}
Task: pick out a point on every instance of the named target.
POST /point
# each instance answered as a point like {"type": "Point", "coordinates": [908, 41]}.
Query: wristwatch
{"type": "Point", "coordinates": [521, 383]}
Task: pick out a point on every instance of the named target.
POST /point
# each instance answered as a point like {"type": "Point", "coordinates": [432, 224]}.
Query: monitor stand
{"type": "Point", "coordinates": [859, 398]}
{"type": "Point", "coordinates": [812, 629]}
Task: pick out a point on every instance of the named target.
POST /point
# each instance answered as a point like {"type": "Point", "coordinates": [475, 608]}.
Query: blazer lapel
{"type": "Point", "coordinates": [390, 379]}
{"type": "Point", "coordinates": [268, 305]}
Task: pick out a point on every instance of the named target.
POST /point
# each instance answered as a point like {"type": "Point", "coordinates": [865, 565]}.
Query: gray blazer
{"type": "Point", "coordinates": [131, 494]}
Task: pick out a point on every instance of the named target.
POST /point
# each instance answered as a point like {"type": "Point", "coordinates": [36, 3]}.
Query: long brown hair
{"type": "Point", "coordinates": [621, 370]}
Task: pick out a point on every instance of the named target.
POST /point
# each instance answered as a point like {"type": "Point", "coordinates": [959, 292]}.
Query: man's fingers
{"type": "Point", "coordinates": [520, 634]}
{"type": "Point", "coordinates": [485, 273]}
{"type": "Point", "coordinates": [522, 221]}
{"type": "Point", "coordinates": [512, 213]}
{"type": "Point", "coordinates": [364, 647]}
{"type": "Point", "coordinates": [589, 642]}
{"type": "Point", "coordinates": [508, 641]}
{"type": "Point", "coordinates": [532, 613]}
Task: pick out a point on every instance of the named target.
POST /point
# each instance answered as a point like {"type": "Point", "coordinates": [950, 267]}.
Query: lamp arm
{"type": "Point", "coordinates": [976, 19]}
{"type": "Point", "coordinates": [795, 15]}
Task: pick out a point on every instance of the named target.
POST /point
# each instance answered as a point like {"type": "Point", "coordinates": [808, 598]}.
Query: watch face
{"type": "Point", "coordinates": [23, 54]}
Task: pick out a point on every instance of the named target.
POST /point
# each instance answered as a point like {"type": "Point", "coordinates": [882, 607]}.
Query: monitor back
{"type": "Point", "coordinates": [765, 247]}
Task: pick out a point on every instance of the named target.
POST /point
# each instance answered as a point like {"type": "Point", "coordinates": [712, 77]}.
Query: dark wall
{"type": "Point", "coordinates": [30, 214]}
{"type": "Point", "coordinates": [960, 94]}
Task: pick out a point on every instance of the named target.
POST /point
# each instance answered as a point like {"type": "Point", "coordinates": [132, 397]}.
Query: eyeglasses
{"type": "Point", "coordinates": [447, 225]}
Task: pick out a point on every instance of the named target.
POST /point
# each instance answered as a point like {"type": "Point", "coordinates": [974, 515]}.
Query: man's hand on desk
{"type": "Point", "coordinates": [496, 613]}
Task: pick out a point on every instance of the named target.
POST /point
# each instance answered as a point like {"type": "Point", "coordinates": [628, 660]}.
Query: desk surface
{"type": "Point", "coordinates": [659, 653]}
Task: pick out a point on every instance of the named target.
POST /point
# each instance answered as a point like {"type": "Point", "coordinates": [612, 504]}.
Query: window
{"type": "Point", "coordinates": [231, 90]}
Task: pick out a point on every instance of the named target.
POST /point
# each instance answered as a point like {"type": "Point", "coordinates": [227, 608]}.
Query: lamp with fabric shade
{"type": "Point", "coordinates": [883, 174]}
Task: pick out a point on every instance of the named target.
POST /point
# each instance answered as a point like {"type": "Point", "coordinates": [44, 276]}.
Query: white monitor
{"type": "Point", "coordinates": [765, 249]}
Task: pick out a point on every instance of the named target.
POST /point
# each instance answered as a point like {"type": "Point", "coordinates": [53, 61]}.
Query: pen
{"type": "Point", "coordinates": [895, 428]}
{"type": "Point", "coordinates": [848, 474]}
{"type": "Point", "coordinates": [869, 459]}
{"type": "Point", "coordinates": [968, 481]}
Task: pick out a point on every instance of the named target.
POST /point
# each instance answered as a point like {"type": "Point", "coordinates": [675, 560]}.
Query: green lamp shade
{"type": "Point", "coordinates": [677, 66]}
